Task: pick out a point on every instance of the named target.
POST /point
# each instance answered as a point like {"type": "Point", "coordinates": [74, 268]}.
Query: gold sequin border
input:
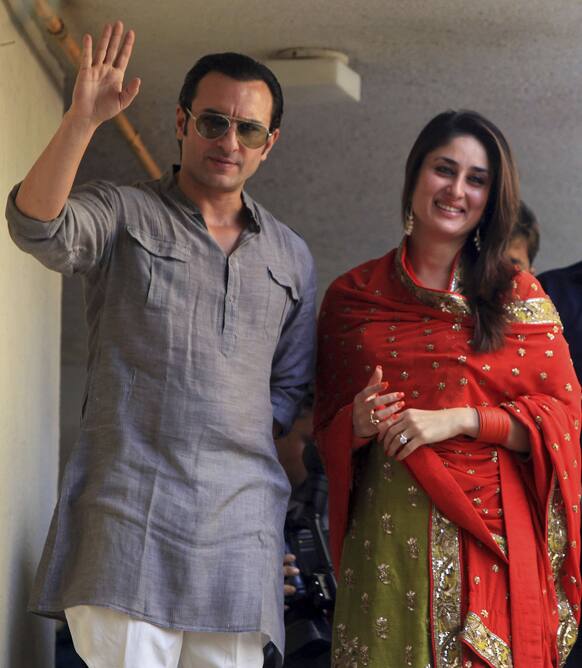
{"type": "Point", "coordinates": [501, 542]}
{"type": "Point", "coordinates": [486, 644]}
{"type": "Point", "coordinates": [446, 595]}
{"type": "Point", "coordinates": [447, 302]}
{"type": "Point", "coordinates": [535, 311]}
{"type": "Point", "coordinates": [557, 546]}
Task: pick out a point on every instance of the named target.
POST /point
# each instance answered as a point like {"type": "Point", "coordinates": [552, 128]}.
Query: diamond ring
{"type": "Point", "coordinates": [403, 438]}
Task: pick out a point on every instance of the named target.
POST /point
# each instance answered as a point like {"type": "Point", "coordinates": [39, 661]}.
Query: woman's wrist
{"type": "Point", "coordinates": [467, 421]}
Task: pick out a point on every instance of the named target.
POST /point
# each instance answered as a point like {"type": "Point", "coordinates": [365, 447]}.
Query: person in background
{"type": "Point", "coordinates": [524, 242]}
{"type": "Point", "coordinates": [448, 415]}
{"type": "Point", "coordinates": [564, 286]}
{"type": "Point", "coordinates": [166, 545]}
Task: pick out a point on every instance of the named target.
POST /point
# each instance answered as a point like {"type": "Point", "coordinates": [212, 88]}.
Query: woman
{"type": "Point", "coordinates": [448, 415]}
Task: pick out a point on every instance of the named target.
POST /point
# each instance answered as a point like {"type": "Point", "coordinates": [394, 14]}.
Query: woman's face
{"type": "Point", "coordinates": [452, 190]}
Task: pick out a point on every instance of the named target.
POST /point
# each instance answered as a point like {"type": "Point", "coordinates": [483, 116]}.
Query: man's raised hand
{"type": "Point", "coordinates": [99, 94]}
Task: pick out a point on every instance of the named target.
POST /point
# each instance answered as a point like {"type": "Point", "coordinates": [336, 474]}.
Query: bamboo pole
{"type": "Point", "coordinates": [57, 29]}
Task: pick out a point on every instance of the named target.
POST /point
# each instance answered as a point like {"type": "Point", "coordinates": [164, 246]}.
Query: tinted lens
{"type": "Point", "coordinates": [211, 126]}
{"type": "Point", "coordinates": [252, 135]}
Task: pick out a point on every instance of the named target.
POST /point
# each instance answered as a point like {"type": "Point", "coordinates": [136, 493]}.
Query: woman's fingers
{"type": "Point", "coordinates": [373, 386]}
{"type": "Point", "coordinates": [385, 399]}
{"type": "Point", "coordinates": [397, 428]}
{"type": "Point", "coordinates": [406, 450]}
{"type": "Point", "coordinates": [387, 411]}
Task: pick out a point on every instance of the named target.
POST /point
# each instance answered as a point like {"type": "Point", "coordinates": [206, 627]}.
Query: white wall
{"type": "Point", "coordinates": [30, 109]}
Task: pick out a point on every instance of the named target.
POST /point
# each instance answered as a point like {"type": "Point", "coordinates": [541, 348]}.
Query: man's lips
{"type": "Point", "coordinates": [222, 161]}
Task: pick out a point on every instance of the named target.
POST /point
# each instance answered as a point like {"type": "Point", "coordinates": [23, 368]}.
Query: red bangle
{"type": "Point", "coordinates": [494, 425]}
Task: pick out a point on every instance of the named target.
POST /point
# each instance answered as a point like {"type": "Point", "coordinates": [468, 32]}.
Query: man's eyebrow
{"type": "Point", "coordinates": [450, 161]}
{"type": "Point", "coordinates": [222, 113]}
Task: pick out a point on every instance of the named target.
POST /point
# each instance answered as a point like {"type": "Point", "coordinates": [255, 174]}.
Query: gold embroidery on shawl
{"type": "Point", "coordinates": [557, 546]}
{"type": "Point", "coordinates": [486, 643]}
{"type": "Point", "coordinates": [446, 571]}
{"type": "Point", "coordinates": [501, 542]}
{"type": "Point", "coordinates": [539, 310]}
{"type": "Point", "coordinates": [447, 302]}
{"type": "Point", "coordinates": [349, 653]}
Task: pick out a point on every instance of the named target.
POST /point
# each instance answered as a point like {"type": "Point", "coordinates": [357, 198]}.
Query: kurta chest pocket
{"type": "Point", "coordinates": [282, 296]}
{"type": "Point", "coordinates": [167, 266]}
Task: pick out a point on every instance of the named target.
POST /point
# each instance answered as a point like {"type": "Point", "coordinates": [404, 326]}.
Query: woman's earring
{"type": "Point", "coordinates": [409, 222]}
{"type": "Point", "coordinates": [477, 239]}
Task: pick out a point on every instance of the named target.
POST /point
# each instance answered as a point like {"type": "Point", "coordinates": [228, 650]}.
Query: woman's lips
{"type": "Point", "coordinates": [448, 208]}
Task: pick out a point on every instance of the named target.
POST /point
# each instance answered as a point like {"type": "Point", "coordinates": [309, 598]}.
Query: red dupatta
{"type": "Point", "coordinates": [379, 314]}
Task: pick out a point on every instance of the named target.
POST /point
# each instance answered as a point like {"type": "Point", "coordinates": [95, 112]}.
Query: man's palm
{"type": "Point", "coordinates": [99, 93]}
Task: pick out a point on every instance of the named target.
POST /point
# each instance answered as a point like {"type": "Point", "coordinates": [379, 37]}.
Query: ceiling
{"type": "Point", "coordinates": [337, 172]}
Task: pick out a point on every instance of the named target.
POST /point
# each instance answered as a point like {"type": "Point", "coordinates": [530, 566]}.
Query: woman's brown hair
{"type": "Point", "coordinates": [488, 274]}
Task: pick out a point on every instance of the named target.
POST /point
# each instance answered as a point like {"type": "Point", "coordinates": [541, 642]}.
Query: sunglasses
{"type": "Point", "coordinates": [210, 125]}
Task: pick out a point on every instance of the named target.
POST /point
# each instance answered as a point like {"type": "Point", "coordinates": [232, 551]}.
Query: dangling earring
{"type": "Point", "coordinates": [409, 222]}
{"type": "Point", "coordinates": [477, 239]}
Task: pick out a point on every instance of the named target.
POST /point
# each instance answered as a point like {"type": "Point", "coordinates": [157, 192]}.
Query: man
{"type": "Point", "coordinates": [565, 289]}
{"type": "Point", "coordinates": [524, 243]}
{"type": "Point", "coordinates": [564, 286]}
{"type": "Point", "coordinates": [166, 544]}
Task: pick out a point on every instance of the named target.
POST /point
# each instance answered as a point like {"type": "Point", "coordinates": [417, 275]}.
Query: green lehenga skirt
{"type": "Point", "coordinates": [382, 610]}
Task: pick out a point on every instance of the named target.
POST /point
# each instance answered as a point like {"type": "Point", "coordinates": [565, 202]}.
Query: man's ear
{"type": "Point", "coordinates": [270, 143]}
{"type": "Point", "coordinates": [181, 121]}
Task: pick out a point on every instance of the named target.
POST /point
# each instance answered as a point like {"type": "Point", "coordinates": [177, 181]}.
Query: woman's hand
{"type": "Point", "coordinates": [413, 427]}
{"type": "Point", "coordinates": [371, 409]}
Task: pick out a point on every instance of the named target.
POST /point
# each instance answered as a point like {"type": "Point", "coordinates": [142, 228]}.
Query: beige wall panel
{"type": "Point", "coordinates": [30, 110]}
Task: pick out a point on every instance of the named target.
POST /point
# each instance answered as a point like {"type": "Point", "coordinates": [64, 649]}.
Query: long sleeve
{"type": "Point", "coordinates": [294, 357]}
{"type": "Point", "coordinates": [78, 239]}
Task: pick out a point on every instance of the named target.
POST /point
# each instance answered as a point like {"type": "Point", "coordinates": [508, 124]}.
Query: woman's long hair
{"type": "Point", "coordinates": [488, 276]}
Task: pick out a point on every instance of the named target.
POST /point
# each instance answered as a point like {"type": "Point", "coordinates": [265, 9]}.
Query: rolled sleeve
{"type": "Point", "coordinates": [294, 359]}
{"type": "Point", "coordinates": [76, 240]}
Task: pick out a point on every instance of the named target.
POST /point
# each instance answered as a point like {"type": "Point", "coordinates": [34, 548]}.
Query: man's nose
{"type": "Point", "coordinates": [229, 141]}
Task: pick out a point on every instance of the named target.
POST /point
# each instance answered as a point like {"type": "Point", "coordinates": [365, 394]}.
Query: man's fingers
{"type": "Point", "coordinates": [125, 52]}
{"type": "Point", "coordinates": [128, 94]}
{"type": "Point", "coordinates": [86, 53]}
{"type": "Point", "coordinates": [101, 50]}
{"type": "Point", "coordinates": [114, 42]}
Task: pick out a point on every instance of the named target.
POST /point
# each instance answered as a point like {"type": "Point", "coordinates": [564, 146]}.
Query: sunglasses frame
{"type": "Point", "coordinates": [230, 120]}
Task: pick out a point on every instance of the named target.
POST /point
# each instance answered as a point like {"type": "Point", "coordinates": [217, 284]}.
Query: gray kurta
{"type": "Point", "coordinates": [173, 501]}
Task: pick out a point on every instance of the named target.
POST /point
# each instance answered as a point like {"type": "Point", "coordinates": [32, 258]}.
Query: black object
{"type": "Point", "coordinates": [65, 655]}
{"type": "Point", "coordinates": [308, 620]}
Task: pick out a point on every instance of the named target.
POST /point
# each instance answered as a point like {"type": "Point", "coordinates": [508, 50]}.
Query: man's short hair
{"type": "Point", "coordinates": [238, 67]}
{"type": "Point", "coordinates": [527, 227]}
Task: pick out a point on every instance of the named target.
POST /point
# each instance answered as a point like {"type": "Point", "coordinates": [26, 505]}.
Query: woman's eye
{"type": "Point", "coordinates": [477, 180]}
{"type": "Point", "coordinates": [443, 169]}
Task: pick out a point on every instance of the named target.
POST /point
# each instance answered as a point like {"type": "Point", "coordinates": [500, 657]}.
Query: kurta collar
{"type": "Point", "coordinates": [169, 184]}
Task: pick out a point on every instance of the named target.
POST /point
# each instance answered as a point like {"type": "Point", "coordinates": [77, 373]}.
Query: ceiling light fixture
{"type": "Point", "coordinates": [310, 75]}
